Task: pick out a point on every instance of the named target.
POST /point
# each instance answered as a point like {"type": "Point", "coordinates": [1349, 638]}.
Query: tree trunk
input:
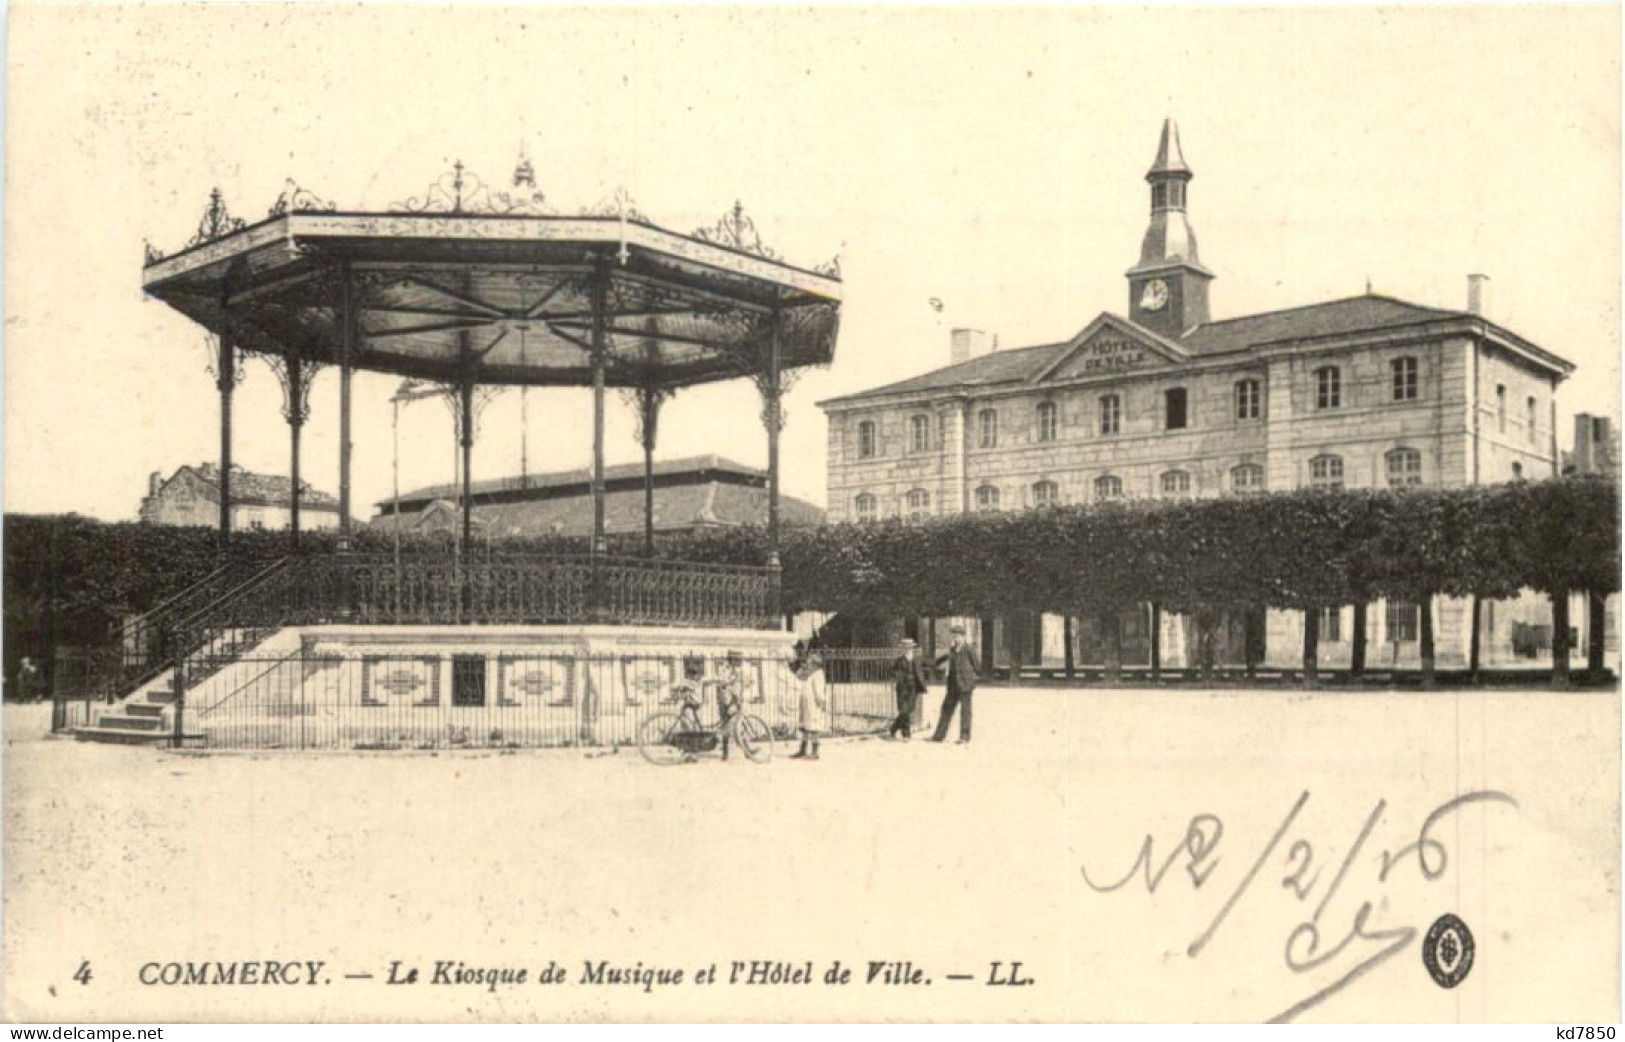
{"type": "Point", "coordinates": [1156, 642]}
{"type": "Point", "coordinates": [1111, 628]}
{"type": "Point", "coordinates": [1071, 654]}
{"type": "Point", "coordinates": [1253, 642]}
{"type": "Point", "coordinates": [1560, 638]}
{"type": "Point", "coordinates": [1357, 652]}
{"type": "Point", "coordinates": [1204, 643]}
{"type": "Point", "coordinates": [1311, 645]}
{"type": "Point", "coordinates": [1475, 642]}
{"type": "Point", "coordinates": [1424, 612]}
{"type": "Point", "coordinates": [1596, 633]}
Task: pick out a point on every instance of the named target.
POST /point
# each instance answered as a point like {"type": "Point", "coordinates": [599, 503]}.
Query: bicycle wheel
{"type": "Point", "coordinates": [656, 740]}
{"type": "Point", "coordinates": [755, 738]}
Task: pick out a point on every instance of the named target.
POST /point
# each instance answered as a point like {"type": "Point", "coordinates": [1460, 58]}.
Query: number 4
{"type": "Point", "coordinates": [82, 974]}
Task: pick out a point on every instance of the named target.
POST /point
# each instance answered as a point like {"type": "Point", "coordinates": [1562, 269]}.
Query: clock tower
{"type": "Point", "coordinates": [1167, 290]}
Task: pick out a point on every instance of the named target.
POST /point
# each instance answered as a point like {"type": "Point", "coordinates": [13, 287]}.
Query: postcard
{"type": "Point", "coordinates": [528, 514]}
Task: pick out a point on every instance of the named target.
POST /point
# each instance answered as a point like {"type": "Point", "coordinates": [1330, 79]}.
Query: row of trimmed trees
{"type": "Point", "coordinates": [69, 578]}
{"type": "Point", "coordinates": [1304, 550]}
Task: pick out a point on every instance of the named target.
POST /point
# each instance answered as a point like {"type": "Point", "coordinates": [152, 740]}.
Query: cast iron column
{"type": "Point", "coordinates": [651, 419]}
{"type": "Point", "coordinates": [600, 347]}
{"type": "Point", "coordinates": [226, 381]}
{"type": "Point", "coordinates": [466, 417]}
{"type": "Point", "coordinates": [296, 420]}
{"type": "Point", "coordinates": [347, 339]}
{"type": "Point", "coordinates": [774, 418]}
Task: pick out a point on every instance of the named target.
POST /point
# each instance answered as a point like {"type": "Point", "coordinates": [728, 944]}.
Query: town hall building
{"type": "Point", "coordinates": [1166, 400]}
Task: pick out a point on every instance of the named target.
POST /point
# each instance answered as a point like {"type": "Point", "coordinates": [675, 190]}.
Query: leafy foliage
{"type": "Point", "coordinates": [69, 579]}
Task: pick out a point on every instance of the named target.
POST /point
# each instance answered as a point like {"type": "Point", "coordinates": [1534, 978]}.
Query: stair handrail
{"type": "Point", "coordinates": [168, 604]}
{"type": "Point", "coordinates": [277, 664]}
{"type": "Point", "coordinates": [236, 593]}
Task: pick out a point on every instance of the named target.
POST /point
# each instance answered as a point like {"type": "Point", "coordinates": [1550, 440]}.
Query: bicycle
{"type": "Point", "coordinates": [668, 739]}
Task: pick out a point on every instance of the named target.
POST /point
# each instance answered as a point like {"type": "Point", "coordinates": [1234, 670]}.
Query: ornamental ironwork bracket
{"type": "Point", "coordinates": [217, 221]}
{"type": "Point", "coordinates": [295, 199]}
{"type": "Point", "coordinates": [736, 231]}
{"type": "Point", "coordinates": [461, 191]}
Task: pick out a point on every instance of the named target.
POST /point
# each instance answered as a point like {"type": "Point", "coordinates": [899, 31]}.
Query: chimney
{"type": "Point", "coordinates": [155, 481]}
{"type": "Point", "coordinates": [970, 343]}
{"type": "Point", "coordinates": [1475, 294]}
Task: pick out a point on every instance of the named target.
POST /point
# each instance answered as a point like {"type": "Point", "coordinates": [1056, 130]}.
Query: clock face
{"type": "Point", "coordinates": [1155, 297]}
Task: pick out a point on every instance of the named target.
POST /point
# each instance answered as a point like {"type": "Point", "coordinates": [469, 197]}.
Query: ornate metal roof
{"type": "Point", "coordinates": [468, 279]}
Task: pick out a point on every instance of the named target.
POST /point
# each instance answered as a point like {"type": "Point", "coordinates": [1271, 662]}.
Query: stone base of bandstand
{"type": "Point", "coordinates": [434, 687]}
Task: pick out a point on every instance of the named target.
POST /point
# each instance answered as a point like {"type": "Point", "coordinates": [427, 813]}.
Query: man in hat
{"type": "Point", "coordinates": [961, 669]}
{"type": "Point", "coordinates": [908, 680]}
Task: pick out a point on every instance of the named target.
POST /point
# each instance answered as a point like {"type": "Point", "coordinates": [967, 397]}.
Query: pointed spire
{"type": "Point", "coordinates": [1170, 159]}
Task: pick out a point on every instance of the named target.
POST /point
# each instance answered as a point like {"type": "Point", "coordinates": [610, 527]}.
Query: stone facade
{"type": "Point", "coordinates": [1365, 392]}
{"type": "Point", "coordinates": [191, 496]}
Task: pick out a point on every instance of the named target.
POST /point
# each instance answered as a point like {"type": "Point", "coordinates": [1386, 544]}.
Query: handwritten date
{"type": "Point", "coordinates": [1363, 944]}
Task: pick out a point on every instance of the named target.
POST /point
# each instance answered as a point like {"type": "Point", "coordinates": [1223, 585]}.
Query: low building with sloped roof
{"type": "Point", "coordinates": [692, 493]}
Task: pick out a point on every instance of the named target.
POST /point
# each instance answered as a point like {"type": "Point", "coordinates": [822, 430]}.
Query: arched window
{"type": "Point", "coordinates": [1404, 468]}
{"type": "Point", "coordinates": [1048, 421]}
{"type": "Point", "coordinates": [919, 433]}
{"type": "Point", "coordinates": [1249, 400]}
{"type": "Point", "coordinates": [987, 498]}
{"type": "Point", "coordinates": [1501, 408]}
{"type": "Point", "coordinates": [1108, 486]}
{"type": "Point", "coordinates": [987, 422]}
{"type": "Point", "coordinates": [1046, 493]}
{"type": "Point", "coordinates": [1247, 477]}
{"type": "Point", "coordinates": [1326, 472]}
{"type": "Point", "coordinates": [1111, 413]}
{"type": "Point", "coordinates": [867, 508]}
{"type": "Point", "coordinates": [1176, 483]}
{"type": "Point", "coordinates": [1404, 373]}
{"type": "Point", "coordinates": [1531, 408]}
{"type": "Point", "coordinates": [1328, 387]}
{"type": "Point", "coordinates": [1517, 471]}
{"type": "Point", "coordinates": [919, 503]}
{"type": "Point", "coordinates": [866, 439]}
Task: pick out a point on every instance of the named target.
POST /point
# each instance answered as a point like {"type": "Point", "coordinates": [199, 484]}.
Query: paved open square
{"type": "Point", "coordinates": [1291, 868]}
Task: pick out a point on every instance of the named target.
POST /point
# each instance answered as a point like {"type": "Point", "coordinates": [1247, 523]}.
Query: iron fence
{"type": "Point", "coordinates": [486, 699]}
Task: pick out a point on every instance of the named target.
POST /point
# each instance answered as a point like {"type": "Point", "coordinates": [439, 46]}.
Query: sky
{"type": "Point", "coordinates": [993, 160]}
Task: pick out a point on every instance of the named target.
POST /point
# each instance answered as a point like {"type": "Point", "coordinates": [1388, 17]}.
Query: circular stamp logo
{"type": "Point", "coordinates": [1447, 951]}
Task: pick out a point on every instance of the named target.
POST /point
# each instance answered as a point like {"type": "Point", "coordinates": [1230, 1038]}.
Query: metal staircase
{"type": "Point", "coordinates": [179, 644]}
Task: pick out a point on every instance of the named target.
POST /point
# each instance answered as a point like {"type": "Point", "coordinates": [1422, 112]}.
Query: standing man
{"type": "Point", "coordinates": [961, 667]}
{"type": "Point", "coordinates": [908, 680]}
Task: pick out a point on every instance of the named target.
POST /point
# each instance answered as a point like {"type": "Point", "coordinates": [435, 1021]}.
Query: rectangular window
{"type": "Point", "coordinates": [1331, 625]}
{"type": "Point", "coordinates": [1111, 413]}
{"type": "Point", "coordinates": [1501, 407]}
{"type": "Point", "coordinates": [988, 421]}
{"type": "Point", "coordinates": [1402, 623]}
{"type": "Point", "coordinates": [468, 680]}
{"type": "Point", "coordinates": [1534, 426]}
{"type": "Point", "coordinates": [1404, 373]}
{"type": "Point", "coordinates": [1328, 388]}
{"type": "Point", "coordinates": [1175, 398]}
{"type": "Point", "coordinates": [1247, 400]}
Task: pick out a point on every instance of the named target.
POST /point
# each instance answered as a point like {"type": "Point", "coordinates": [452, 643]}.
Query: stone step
{"type": "Point", "coordinates": [143, 709]}
{"type": "Point", "coordinates": [161, 696]}
{"type": "Point", "coordinates": [118, 721]}
{"type": "Point", "coordinates": [120, 736]}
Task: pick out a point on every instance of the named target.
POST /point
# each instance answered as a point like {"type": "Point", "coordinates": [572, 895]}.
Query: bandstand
{"type": "Point", "coordinates": [471, 289]}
